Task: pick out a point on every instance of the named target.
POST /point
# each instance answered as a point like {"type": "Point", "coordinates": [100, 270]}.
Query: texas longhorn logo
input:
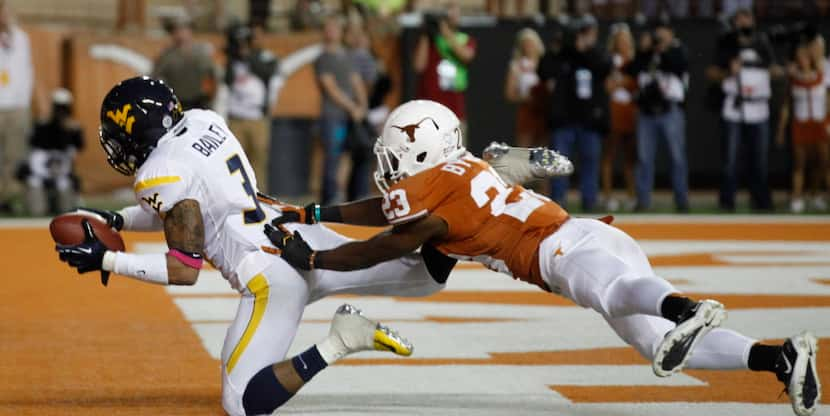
{"type": "Point", "coordinates": [123, 118]}
{"type": "Point", "coordinates": [409, 129]}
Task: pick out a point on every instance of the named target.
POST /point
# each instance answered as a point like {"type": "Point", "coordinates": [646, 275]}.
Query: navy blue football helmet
{"type": "Point", "coordinates": [135, 114]}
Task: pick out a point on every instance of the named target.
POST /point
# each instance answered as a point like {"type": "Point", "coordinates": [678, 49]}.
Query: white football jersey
{"type": "Point", "coordinates": [200, 159]}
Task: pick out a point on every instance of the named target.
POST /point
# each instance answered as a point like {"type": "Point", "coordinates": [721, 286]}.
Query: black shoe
{"type": "Point", "coordinates": [676, 348]}
{"type": "Point", "coordinates": [796, 368]}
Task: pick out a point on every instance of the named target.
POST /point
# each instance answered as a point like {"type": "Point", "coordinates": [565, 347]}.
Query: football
{"type": "Point", "coordinates": [67, 229]}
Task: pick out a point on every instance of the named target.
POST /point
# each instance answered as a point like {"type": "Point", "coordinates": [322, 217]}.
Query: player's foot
{"type": "Point", "coordinates": [352, 332]}
{"type": "Point", "coordinates": [796, 368]}
{"type": "Point", "coordinates": [677, 346]}
{"type": "Point", "coordinates": [518, 165]}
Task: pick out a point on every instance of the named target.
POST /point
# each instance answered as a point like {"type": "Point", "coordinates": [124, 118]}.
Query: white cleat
{"type": "Point", "coordinates": [796, 368]}
{"type": "Point", "coordinates": [518, 165]}
{"type": "Point", "coordinates": [677, 346]}
{"type": "Point", "coordinates": [354, 332]}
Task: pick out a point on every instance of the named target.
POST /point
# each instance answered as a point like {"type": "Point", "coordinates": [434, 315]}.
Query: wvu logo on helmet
{"type": "Point", "coordinates": [123, 118]}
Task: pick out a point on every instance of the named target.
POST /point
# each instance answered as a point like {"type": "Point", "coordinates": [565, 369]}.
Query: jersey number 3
{"type": "Point", "coordinates": [255, 215]}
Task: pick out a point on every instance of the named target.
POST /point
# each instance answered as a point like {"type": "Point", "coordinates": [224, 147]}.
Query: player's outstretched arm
{"type": "Point", "coordinates": [185, 235]}
{"type": "Point", "coordinates": [391, 244]}
{"type": "Point", "coordinates": [366, 212]}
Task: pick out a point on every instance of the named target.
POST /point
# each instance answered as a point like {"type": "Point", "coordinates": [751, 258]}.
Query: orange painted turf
{"type": "Point", "coordinates": [71, 347]}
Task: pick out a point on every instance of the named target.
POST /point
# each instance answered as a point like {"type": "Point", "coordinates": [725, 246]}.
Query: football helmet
{"type": "Point", "coordinates": [135, 114]}
{"type": "Point", "coordinates": [418, 135]}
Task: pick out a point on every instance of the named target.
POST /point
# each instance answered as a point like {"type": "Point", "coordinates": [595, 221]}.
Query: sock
{"type": "Point", "coordinates": [762, 357]}
{"type": "Point", "coordinates": [309, 363]}
{"type": "Point", "coordinates": [674, 306]}
{"type": "Point", "coordinates": [264, 393]}
{"type": "Point", "coordinates": [331, 349]}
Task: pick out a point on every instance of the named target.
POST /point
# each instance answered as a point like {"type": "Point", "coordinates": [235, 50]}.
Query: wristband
{"type": "Point", "coordinates": [192, 260]}
{"type": "Point", "coordinates": [316, 213]}
{"type": "Point", "coordinates": [311, 258]}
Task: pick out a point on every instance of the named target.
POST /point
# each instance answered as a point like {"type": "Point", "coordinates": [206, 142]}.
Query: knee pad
{"type": "Point", "coordinates": [264, 393]}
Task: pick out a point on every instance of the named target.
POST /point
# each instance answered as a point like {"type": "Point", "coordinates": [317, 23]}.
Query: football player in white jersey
{"type": "Point", "coordinates": [194, 182]}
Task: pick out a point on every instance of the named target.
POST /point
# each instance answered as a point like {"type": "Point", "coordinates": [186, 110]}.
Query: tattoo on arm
{"type": "Point", "coordinates": [183, 227]}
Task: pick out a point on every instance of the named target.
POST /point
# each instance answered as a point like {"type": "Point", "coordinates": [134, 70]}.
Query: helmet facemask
{"type": "Point", "coordinates": [125, 161]}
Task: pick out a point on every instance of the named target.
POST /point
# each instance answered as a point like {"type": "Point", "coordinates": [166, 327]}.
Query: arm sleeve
{"type": "Point", "coordinates": [138, 219]}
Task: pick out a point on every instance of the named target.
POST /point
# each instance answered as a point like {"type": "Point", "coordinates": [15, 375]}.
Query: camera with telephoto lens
{"type": "Point", "coordinates": [432, 21]}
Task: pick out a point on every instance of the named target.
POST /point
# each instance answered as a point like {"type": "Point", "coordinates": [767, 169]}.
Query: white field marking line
{"type": "Point", "coordinates": [15, 223]}
{"type": "Point", "coordinates": [718, 219]}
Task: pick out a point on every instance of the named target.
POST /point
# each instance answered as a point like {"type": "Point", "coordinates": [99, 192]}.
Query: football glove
{"type": "Point", "coordinates": [293, 213]}
{"type": "Point", "coordinates": [112, 218]}
{"type": "Point", "coordinates": [87, 256]}
{"type": "Point", "coordinates": [293, 249]}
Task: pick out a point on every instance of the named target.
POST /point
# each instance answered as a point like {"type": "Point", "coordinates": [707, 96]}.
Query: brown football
{"type": "Point", "coordinates": [66, 229]}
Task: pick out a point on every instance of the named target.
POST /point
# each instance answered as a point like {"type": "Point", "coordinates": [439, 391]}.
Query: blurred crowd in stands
{"type": "Point", "coordinates": [595, 100]}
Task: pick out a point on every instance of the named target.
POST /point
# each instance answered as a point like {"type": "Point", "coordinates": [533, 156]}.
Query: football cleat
{"type": "Point", "coordinates": [796, 368]}
{"type": "Point", "coordinates": [358, 333]}
{"type": "Point", "coordinates": [518, 165]}
{"type": "Point", "coordinates": [674, 351]}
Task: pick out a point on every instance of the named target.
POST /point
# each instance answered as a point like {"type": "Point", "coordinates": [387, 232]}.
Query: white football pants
{"type": "Point", "coordinates": [272, 305]}
{"type": "Point", "coordinates": [600, 267]}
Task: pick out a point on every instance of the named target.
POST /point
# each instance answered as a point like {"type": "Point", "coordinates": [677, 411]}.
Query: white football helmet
{"type": "Point", "coordinates": [418, 135]}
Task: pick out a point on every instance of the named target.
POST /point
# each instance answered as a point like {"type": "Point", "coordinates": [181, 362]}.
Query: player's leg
{"type": "Point", "coordinates": [603, 268]}
{"type": "Point", "coordinates": [256, 377]}
{"type": "Point", "coordinates": [793, 361]}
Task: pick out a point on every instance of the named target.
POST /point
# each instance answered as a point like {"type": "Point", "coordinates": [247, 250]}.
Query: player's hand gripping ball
{"type": "Point", "coordinates": [83, 240]}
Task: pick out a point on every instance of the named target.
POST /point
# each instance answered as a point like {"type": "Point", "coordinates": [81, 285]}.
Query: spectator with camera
{"type": "Point", "coordinates": [344, 100]}
{"type": "Point", "coordinates": [744, 65]}
{"type": "Point", "coordinates": [579, 107]}
{"type": "Point", "coordinates": [442, 56]}
{"type": "Point", "coordinates": [51, 185]}
{"type": "Point", "coordinates": [253, 79]}
{"type": "Point", "coordinates": [661, 68]}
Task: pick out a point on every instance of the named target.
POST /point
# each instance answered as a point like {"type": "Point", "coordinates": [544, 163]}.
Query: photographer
{"type": "Point", "coordinates": [579, 106]}
{"type": "Point", "coordinates": [51, 186]}
{"type": "Point", "coordinates": [744, 64]}
{"type": "Point", "coordinates": [252, 79]}
{"type": "Point", "coordinates": [661, 70]}
{"type": "Point", "coordinates": [441, 58]}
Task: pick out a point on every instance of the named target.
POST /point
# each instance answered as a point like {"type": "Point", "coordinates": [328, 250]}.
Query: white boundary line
{"type": "Point", "coordinates": [16, 223]}
{"type": "Point", "coordinates": [719, 219]}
